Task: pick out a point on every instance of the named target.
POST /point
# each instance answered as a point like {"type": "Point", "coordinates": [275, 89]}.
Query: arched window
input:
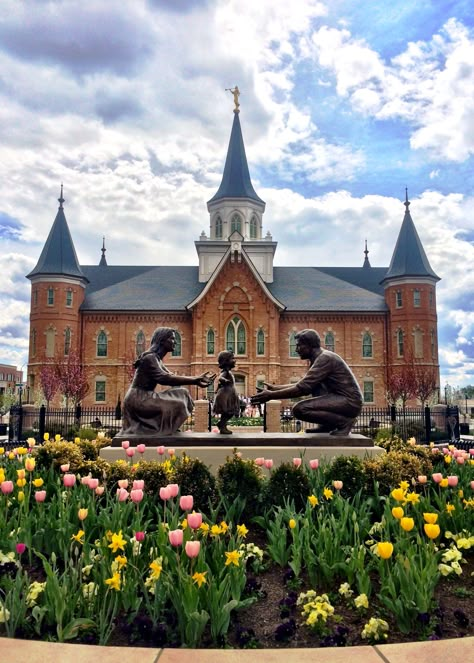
{"type": "Point", "coordinates": [236, 224]}
{"type": "Point", "coordinates": [260, 342]}
{"type": "Point", "coordinates": [67, 341]}
{"type": "Point", "coordinates": [253, 227]}
{"type": "Point", "coordinates": [33, 342]}
{"type": "Point", "coordinates": [102, 344]}
{"type": "Point", "coordinates": [218, 228]}
{"type": "Point", "coordinates": [292, 343]}
{"type": "Point", "coordinates": [236, 340]}
{"type": "Point", "coordinates": [400, 348]}
{"type": "Point", "coordinates": [367, 350]}
{"type": "Point", "coordinates": [210, 342]}
{"type": "Point", "coordinates": [177, 347]}
{"type": "Point", "coordinates": [140, 343]}
{"type": "Point", "coordinates": [418, 343]}
{"type": "Point", "coordinates": [329, 341]}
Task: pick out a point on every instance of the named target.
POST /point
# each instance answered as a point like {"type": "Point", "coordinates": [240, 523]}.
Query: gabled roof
{"type": "Point", "coordinates": [409, 258]}
{"type": "Point", "coordinates": [58, 256]}
{"type": "Point", "coordinates": [236, 182]}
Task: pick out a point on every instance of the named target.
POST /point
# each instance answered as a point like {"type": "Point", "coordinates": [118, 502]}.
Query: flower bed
{"type": "Point", "coordinates": [165, 554]}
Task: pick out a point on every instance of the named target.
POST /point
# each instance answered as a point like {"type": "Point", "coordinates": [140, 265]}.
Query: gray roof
{"type": "Point", "coordinates": [172, 288]}
{"type": "Point", "coordinates": [236, 182]}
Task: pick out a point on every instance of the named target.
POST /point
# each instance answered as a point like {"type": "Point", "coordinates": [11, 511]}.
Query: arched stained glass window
{"type": "Point", "coordinates": [236, 337]}
{"type": "Point", "coordinates": [102, 344]}
{"type": "Point", "coordinates": [210, 342]}
{"type": "Point", "coordinates": [236, 224]}
{"type": "Point", "coordinates": [292, 341]}
{"type": "Point", "coordinates": [260, 342]}
{"type": "Point", "coordinates": [253, 227]}
{"type": "Point", "coordinates": [140, 343]}
{"type": "Point", "coordinates": [367, 350]}
{"type": "Point", "coordinates": [218, 228]}
{"type": "Point", "coordinates": [67, 341]}
{"type": "Point", "coordinates": [177, 348]}
{"type": "Point", "coordinates": [329, 341]}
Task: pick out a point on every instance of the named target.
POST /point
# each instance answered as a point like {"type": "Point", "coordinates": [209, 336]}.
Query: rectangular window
{"type": "Point", "coordinates": [50, 300]}
{"type": "Point", "coordinates": [431, 298]}
{"type": "Point", "coordinates": [398, 299]}
{"type": "Point", "coordinates": [100, 391]}
{"type": "Point", "coordinates": [35, 297]}
{"type": "Point", "coordinates": [416, 298]}
{"type": "Point", "coordinates": [68, 298]}
{"type": "Point", "coordinates": [368, 391]}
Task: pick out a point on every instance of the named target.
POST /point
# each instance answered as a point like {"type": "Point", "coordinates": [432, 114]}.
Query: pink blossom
{"type": "Point", "coordinates": [165, 493]}
{"type": "Point", "coordinates": [268, 463]}
{"type": "Point", "coordinates": [192, 548]}
{"type": "Point", "coordinates": [122, 483]}
{"type": "Point", "coordinates": [314, 464]}
{"type": "Point", "coordinates": [195, 520]}
{"type": "Point", "coordinates": [140, 536]}
{"type": "Point", "coordinates": [460, 460]}
{"type": "Point", "coordinates": [138, 484]}
{"type": "Point", "coordinates": [65, 467]}
{"type": "Point", "coordinates": [472, 485]}
{"type": "Point", "coordinates": [215, 430]}
{"type": "Point", "coordinates": [160, 450]}
{"type": "Point", "coordinates": [20, 548]}
{"type": "Point", "coordinates": [453, 480]}
{"type": "Point", "coordinates": [99, 490]}
{"type": "Point", "coordinates": [337, 485]}
{"type": "Point", "coordinates": [69, 480]}
{"type": "Point", "coordinates": [297, 462]}
{"type": "Point", "coordinates": [238, 454]}
{"type": "Point", "coordinates": [93, 483]}
{"type": "Point", "coordinates": [186, 502]}
{"type": "Point", "coordinates": [125, 444]}
{"type": "Point", "coordinates": [40, 495]}
{"type": "Point", "coordinates": [141, 448]}
{"type": "Point", "coordinates": [171, 452]}
{"type": "Point", "coordinates": [136, 495]}
{"type": "Point", "coordinates": [6, 487]}
{"type": "Point", "coordinates": [130, 452]}
{"type": "Point", "coordinates": [437, 477]}
{"type": "Point", "coordinates": [259, 461]}
{"type": "Point", "coordinates": [471, 452]}
{"type": "Point", "coordinates": [175, 537]}
{"type": "Point", "coordinates": [422, 478]}
{"type": "Point", "coordinates": [122, 494]}
{"type": "Point", "coordinates": [174, 489]}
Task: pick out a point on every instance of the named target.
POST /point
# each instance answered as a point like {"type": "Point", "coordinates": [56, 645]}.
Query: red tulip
{"type": "Point", "coordinates": [140, 536]}
{"type": "Point", "coordinates": [422, 478]}
{"type": "Point", "coordinates": [20, 548]}
{"type": "Point", "coordinates": [65, 467]}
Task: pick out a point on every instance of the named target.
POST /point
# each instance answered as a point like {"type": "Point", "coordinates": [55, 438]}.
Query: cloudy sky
{"type": "Point", "coordinates": [343, 104]}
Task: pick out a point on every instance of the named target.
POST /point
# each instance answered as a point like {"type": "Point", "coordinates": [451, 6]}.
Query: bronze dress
{"type": "Point", "coordinates": [227, 399]}
{"type": "Point", "coordinates": [148, 412]}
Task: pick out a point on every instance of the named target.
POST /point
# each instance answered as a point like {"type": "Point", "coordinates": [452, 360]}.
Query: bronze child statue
{"type": "Point", "coordinates": [227, 401]}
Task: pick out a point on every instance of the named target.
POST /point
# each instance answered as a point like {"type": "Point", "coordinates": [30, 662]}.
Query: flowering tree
{"type": "Point", "coordinates": [72, 377]}
{"type": "Point", "coordinates": [401, 384]}
{"type": "Point", "coordinates": [425, 382]}
{"type": "Point", "coordinates": [49, 381]}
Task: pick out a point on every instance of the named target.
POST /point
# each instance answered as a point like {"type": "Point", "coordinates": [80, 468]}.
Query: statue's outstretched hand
{"type": "Point", "coordinates": [269, 387]}
{"type": "Point", "coordinates": [205, 379]}
{"type": "Point", "coordinates": [262, 397]}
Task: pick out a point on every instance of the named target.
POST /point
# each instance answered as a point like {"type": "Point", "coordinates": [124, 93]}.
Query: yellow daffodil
{"type": "Point", "coordinates": [313, 500]}
{"type": "Point", "coordinates": [156, 568]}
{"type": "Point", "coordinates": [224, 527]}
{"type": "Point", "coordinates": [204, 527]}
{"type": "Point", "coordinates": [328, 494]}
{"type": "Point", "coordinates": [361, 601]}
{"type": "Point", "coordinates": [398, 494]}
{"type": "Point", "coordinates": [37, 483]}
{"type": "Point", "coordinates": [200, 578]}
{"type": "Point", "coordinates": [121, 561]}
{"type": "Point", "coordinates": [413, 498]}
{"type": "Point", "coordinates": [404, 485]}
{"type": "Point", "coordinates": [430, 518]}
{"type": "Point", "coordinates": [432, 531]}
{"type": "Point", "coordinates": [397, 512]}
{"type": "Point", "coordinates": [447, 459]}
{"type": "Point", "coordinates": [233, 557]}
{"type": "Point", "coordinates": [184, 523]}
{"type": "Point", "coordinates": [114, 582]}
{"type": "Point", "coordinates": [444, 482]}
{"type": "Point", "coordinates": [450, 508]}
{"type": "Point", "coordinates": [385, 549]}
{"type": "Point", "coordinates": [79, 537]}
{"type": "Point", "coordinates": [407, 524]}
{"type": "Point", "coordinates": [242, 531]}
{"type": "Point", "coordinates": [117, 542]}
{"type": "Point", "coordinates": [292, 523]}
{"type": "Point", "coordinates": [216, 530]}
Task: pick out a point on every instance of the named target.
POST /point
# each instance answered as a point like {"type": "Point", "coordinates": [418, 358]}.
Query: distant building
{"type": "Point", "coordinates": [234, 298]}
{"type": "Point", "coordinates": [10, 377]}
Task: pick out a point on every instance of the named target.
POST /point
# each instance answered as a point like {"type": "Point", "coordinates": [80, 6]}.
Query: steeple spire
{"type": "Point", "coordinates": [366, 260]}
{"type": "Point", "coordinates": [61, 199]}
{"type": "Point", "coordinates": [103, 261]}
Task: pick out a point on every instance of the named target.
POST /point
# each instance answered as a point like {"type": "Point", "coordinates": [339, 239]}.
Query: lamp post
{"type": "Point", "coordinates": [446, 393]}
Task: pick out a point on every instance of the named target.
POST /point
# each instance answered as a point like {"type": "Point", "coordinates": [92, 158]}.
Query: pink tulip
{"type": "Point", "coordinates": [259, 461]}
{"type": "Point", "coordinates": [460, 460]}
{"type": "Point", "coordinates": [186, 502]}
{"type": "Point", "coordinates": [6, 487]}
{"type": "Point", "coordinates": [20, 548]}
{"type": "Point", "coordinates": [215, 430]}
{"type": "Point", "coordinates": [471, 452]}
{"type": "Point", "coordinates": [422, 478]}
{"type": "Point", "coordinates": [297, 462]}
{"type": "Point", "coordinates": [171, 452]}
{"type": "Point", "coordinates": [65, 467]}
{"type": "Point", "coordinates": [69, 480]}
{"type": "Point", "coordinates": [140, 536]}
{"type": "Point", "coordinates": [93, 483]}
{"type": "Point", "coordinates": [268, 463]}
{"type": "Point", "coordinates": [437, 477]}
{"type": "Point", "coordinates": [122, 483]}
{"type": "Point", "coordinates": [165, 493]}
{"type": "Point", "coordinates": [136, 495]}
{"type": "Point", "coordinates": [125, 444]}
{"type": "Point", "coordinates": [138, 484]}
{"type": "Point", "coordinates": [453, 481]}
{"type": "Point", "coordinates": [40, 495]}
{"type": "Point", "coordinates": [314, 464]}
{"type": "Point", "coordinates": [99, 490]}
{"type": "Point", "coordinates": [192, 548]}
{"type": "Point", "coordinates": [160, 450]}
{"type": "Point", "coordinates": [174, 489]}
{"type": "Point", "coordinates": [337, 485]}
{"type": "Point", "coordinates": [85, 480]}
{"type": "Point", "coordinates": [472, 485]}
{"type": "Point", "coordinates": [141, 448]}
{"type": "Point", "coordinates": [195, 520]}
{"type": "Point", "coordinates": [130, 452]}
{"type": "Point", "coordinates": [175, 537]}
{"type": "Point", "coordinates": [122, 494]}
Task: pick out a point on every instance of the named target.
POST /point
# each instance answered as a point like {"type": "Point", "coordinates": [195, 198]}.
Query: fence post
{"type": "Point", "coordinates": [209, 420]}
{"type": "Point", "coordinates": [118, 409]}
{"type": "Point", "coordinates": [42, 423]}
{"type": "Point", "coordinates": [264, 417]}
{"type": "Point", "coordinates": [427, 423]}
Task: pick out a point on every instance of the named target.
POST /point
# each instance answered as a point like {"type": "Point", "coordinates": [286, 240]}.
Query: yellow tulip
{"type": "Point", "coordinates": [57, 438]}
{"type": "Point", "coordinates": [30, 464]}
{"type": "Point", "coordinates": [21, 496]}
{"type": "Point", "coordinates": [37, 483]}
{"type": "Point", "coordinates": [398, 494]}
{"type": "Point", "coordinates": [407, 524]}
{"type": "Point", "coordinates": [292, 523]}
{"type": "Point", "coordinates": [430, 518]}
{"type": "Point", "coordinates": [432, 531]}
{"type": "Point", "coordinates": [21, 474]}
{"type": "Point", "coordinates": [82, 514]}
{"type": "Point", "coordinates": [397, 512]}
{"type": "Point", "coordinates": [385, 549]}
{"type": "Point", "coordinates": [443, 483]}
{"type": "Point", "coordinates": [21, 482]}
{"type": "Point", "coordinates": [46, 437]}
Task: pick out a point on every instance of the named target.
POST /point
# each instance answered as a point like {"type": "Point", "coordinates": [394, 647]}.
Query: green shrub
{"type": "Point", "coordinates": [87, 434]}
{"type": "Point", "coordinates": [286, 483]}
{"type": "Point", "coordinates": [98, 468]}
{"type": "Point", "coordinates": [88, 449]}
{"type": "Point", "coordinates": [348, 469]}
{"type": "Point", "coordinates": [117, 470]}
{"type": "Point", "coordinates": [194, 478]}
{"type": "Point", "coordinates": [239, 478]}
{"type": "Point", "coordinates": [54, 453]}
{"type": "Point", "coordinates": [391, 468]}
{"type": "Point", "coordinates": [155, 475]}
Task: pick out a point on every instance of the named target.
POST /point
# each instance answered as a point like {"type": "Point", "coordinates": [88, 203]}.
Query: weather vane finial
{"type": "Point", "coordinates": [236, 93]}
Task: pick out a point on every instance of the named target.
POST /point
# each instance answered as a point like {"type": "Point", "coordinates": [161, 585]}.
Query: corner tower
{"type": "Point", "coordinates": [236, 208]}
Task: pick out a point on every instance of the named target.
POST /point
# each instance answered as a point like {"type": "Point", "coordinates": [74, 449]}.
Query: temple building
{"type": "Point", "coordinates": [234, 298]}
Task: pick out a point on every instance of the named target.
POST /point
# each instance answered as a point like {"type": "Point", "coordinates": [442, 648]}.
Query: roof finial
{"type": "Point", "coordinates": [236, 93]}
{"type": "Point", "coordinates": [61, 199]}
{"type": "Point", "coordinates": [407, 202]}
{"type": "Point", "coordinates": [366, 252]}
{"type": "Point", "coordinates": [103, 261]}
